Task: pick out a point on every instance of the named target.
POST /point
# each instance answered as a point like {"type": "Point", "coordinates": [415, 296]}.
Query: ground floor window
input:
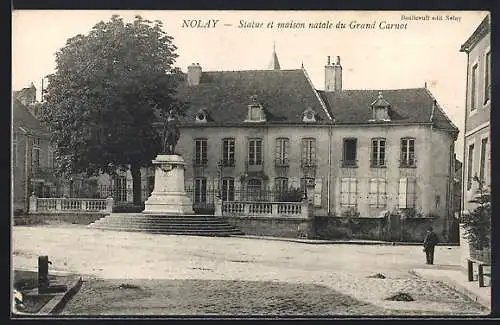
{"type": "Point", "coordinates": [254, 189]}
{"type": "Point", "coordinates": [407, 193]}
{"type": "Point", "coordinates": [200, 190]}
{"type": "Point", "coordinates": [348, 192]}
{"type": "Point", "coordinates": [377, 195]}
{"type": "Point", "coordinates": [121, 189]}
{"type": "Point", "coordinates": [228, 189]}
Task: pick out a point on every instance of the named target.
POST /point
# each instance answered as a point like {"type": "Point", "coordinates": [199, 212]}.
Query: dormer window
{"type": "Point", "coordinates": [380, 109]}
{"type": "Point", "coordinates": [255, 111]}
{"type": "Point", "coordinates": [201, 116]}
{"type": "Point", "coordinates": [309, 115]}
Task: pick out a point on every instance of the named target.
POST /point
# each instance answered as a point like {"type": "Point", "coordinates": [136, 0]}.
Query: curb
{"type": "Point", "coordinates": [347, 242]}
{"type": "Point", "coordinates": [456, 286]}
{"type": "Point", "coordinates": [57, 303]}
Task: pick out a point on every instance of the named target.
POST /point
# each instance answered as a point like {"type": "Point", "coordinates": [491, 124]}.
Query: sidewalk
{"type": "Point", "coordinates": [457, 279]}
{"type": "Point", "coordinates": [335, 241]}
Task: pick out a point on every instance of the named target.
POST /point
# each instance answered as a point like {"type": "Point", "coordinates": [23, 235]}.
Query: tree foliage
{"type": "Point", "coordinates": [108, 90]}
{"type": "Point", "coordinates": [477, 223]}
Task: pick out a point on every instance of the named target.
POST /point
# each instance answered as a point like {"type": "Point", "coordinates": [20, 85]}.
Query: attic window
{"type": "Point", "coordinates": [255, 111]}
{"type": "Point", "coordinates": [201, 116]}
{"type": "Point", "coordinates": [309, 115]}
{"type": "Point", "coordinates": [380, 109]}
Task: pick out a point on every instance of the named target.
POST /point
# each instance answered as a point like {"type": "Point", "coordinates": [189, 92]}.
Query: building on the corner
{"type": "Point", "coordinates": [31, 153]}
{"type": "Point", "coordinates": [477, 112]}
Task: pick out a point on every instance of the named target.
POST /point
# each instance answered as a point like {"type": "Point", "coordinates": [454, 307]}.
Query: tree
{"type": "Point", "coordinates": [477, 223]}
{"type": "Point", "coordinates": [109, 89]}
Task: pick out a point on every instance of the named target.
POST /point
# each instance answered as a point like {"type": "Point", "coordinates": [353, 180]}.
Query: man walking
{"type": "Point", "coordinates": [430, 241]}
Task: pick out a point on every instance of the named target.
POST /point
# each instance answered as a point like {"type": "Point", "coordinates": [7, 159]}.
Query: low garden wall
{"type": "Point", "coordinates": [375, 228]}
{"type": "Point", "coordinates": [288, 227]}
{"type": "Point", "coordinates": [82, 218]}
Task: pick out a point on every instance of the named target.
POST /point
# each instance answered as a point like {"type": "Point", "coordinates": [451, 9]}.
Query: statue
{"type": "Point", "coordinates": [170, 134]}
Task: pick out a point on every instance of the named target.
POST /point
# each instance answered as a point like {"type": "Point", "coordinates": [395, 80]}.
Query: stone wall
{"type": "Point", "coordinates": [74, 218]}
{"type": "Point", "coordinates": [272, 226]}
{"type": "Point", "coordinates": [407, 230]}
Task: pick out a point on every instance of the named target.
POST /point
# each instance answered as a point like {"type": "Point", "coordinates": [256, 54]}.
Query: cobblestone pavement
{"type": "Point", "coordinates": [343, 268]}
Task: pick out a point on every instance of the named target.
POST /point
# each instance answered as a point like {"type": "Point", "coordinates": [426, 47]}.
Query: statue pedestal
{"type": "Point", "coordinates": [169, 195]}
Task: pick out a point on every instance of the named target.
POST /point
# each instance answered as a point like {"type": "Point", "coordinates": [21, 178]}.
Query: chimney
{"type": "Point", "coordinates": [329, 75]}
{"type": "Point", "coordinates": [194, 74]}
{"type": "Point", "coordinates": [338, 75]}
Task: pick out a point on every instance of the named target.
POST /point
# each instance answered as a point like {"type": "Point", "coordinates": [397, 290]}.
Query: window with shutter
{"type": "Point", "coordinates": [402, 197]}
{"type": "Point", "coordinates": [317, 192]}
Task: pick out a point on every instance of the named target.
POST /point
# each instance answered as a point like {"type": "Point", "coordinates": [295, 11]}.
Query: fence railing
{"type": "Point", "coordinates": [270, 209]}
{"type": "Point", "coordinates": [55, 205]}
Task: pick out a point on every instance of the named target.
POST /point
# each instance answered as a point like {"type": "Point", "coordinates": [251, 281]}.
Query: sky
{"type": "Point", "coordinates": [419, 52]}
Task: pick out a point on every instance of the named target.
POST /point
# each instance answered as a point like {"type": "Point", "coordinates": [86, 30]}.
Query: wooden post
{"type": "Point", "coordinates": [32, 203]}
{"type": "Point", "coordinates": [470, 270]}
{"type": "Point", "coordinates": [480, 275]}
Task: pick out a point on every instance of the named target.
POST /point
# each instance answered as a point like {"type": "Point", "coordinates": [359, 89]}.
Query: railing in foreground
{"type": "Point", "coordinates": [270, 209]}
{"type": "Point", "coordinates": [55, 205]}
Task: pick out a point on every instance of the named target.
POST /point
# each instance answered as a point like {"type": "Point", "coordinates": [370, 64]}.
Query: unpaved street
{"type": "Point", "coordinates": [342, 268]}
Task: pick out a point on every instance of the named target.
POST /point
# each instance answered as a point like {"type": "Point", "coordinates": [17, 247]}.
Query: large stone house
{"type": "Point", "coordinates": [367, 150]}
{"type": "Point", "coordinates": [477, 157]}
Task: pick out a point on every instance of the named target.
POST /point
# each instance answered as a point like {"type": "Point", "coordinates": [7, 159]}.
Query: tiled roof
{"type": "Point", "coordinates": [477, 35]}
{"type": "Point", "coordinates": [225, 95]}
{"type": "Point", "coordinates": [407, 106]}
{"type": "Point", "coordinates": [21, 117]}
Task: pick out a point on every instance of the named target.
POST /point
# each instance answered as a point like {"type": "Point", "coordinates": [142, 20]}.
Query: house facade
{"type": "Point", "coordinates": [477, 157]}
{"type": "Point", "coordinates": [363, 150]}
{"type": "Point", "coordinates": [31, 155]}
{"type": "Point", "coordinates": [477, 110]}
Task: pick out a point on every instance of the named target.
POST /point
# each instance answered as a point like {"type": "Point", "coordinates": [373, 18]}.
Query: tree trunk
{"type": "Point", "coordinates": [135, 170]}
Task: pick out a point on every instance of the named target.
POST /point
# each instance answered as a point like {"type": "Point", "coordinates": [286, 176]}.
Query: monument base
{"type": "Point", "coordinates": [169, 196]}
{"type": "Point", "coordinates": [169, 203]}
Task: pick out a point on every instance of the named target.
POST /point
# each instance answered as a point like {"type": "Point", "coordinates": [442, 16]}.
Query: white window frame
{"type": "Point", "coordinates": [282, 151]}
{"type": "Point", "coordinates": [407, 199]}
{"type": "Point", "coordinates": [473, 108]}
{"type": "Point", "coordinates": [228, 189]}
{"type": "Point", "coordinates": [200, 195]}
{"type": "Point", "coordinates": [375, 149]}
{"type": "Point", "coordinates": [410, 156]}
{"type": "Point", "coordinates": [308, 154]}
{"type": "Point", "coordinates": [487, 71]}
{"type": "Point", "coordinates": [228, 151]}
{"type": "Point", "coordinates": [377, 197]}
{"type": "Point", "coordinates": [201, 151]}
{"type": "Point", "coordinates": [470, 165]}
{"type": "Point", "coordinates": [252, 145]}
{"type": "Point", "coordinates": [281, 184]}
{"type": "Point", "coordinates": [348, 198]}
{"type": "Point", "coordinates": [482, 156]}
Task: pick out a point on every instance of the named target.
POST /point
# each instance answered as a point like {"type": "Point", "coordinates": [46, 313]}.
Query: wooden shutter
{"type": "Point", "coordinates": [372, 196]}
{"type": "Point", "coordinates": [317, 192]}
{"type": "Point", "coordinates": [403, 182]}
{"type": "Point", "coordinates": [344, 191]}
{"type": "Point", "coordinates": [353, 194]}
{"type": "Point", "coordinates": [382, 200]}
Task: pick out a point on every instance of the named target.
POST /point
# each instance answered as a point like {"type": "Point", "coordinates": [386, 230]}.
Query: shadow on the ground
{"type": "Point", "coordinates": [215, 297]}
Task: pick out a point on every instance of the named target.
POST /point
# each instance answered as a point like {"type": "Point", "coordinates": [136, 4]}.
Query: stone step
{"type": "Point", "coordinates": [171, 226]}
{"type": "Point", "coordinates": [131, 220]}
{"type": "Point", "coordinates": [176, 232]}
{"type": "Point", "coordinates": [202, 225]}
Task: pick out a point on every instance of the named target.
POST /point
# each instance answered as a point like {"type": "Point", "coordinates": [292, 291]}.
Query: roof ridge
{"type": "Point", "coordinates": [318, 97]}
{"type": "Point", "coordinates": [440, 109]}
{"type": "Point", "coordinates": [254, 70]}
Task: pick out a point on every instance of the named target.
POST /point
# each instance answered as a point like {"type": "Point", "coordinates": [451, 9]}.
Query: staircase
{"type": "Point", "coordinates": [194, 225]}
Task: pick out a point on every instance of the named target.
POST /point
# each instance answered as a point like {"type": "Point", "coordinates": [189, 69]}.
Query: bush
{"type": "Point", "coordinates": [128, 208]}
{"type": "Point", "coordinates": [477, 223]}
